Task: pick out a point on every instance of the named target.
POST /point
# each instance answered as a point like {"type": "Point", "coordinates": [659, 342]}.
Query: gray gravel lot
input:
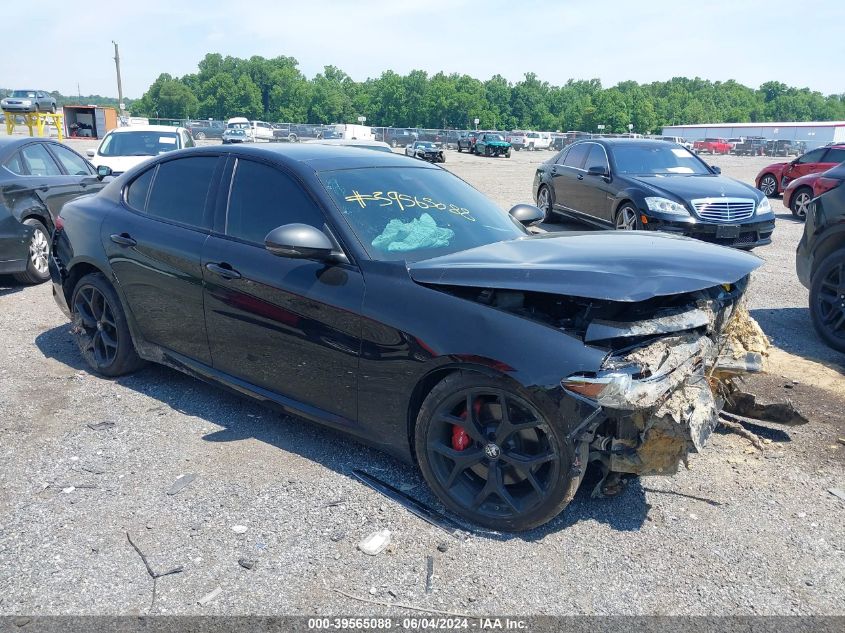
{"type": "Point", "coordinates": [740, 532]}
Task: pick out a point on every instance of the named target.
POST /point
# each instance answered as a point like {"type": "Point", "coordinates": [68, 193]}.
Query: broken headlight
{"type": "Point", "coordinates": [664, 205]}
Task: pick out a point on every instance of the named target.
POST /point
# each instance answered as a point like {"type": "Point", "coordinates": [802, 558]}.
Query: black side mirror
{"type": "Point", "coordinates": [103, 171]}
{"type": "Point", "coordinates": [299, 241]}
{"type": "Point", "coordinates": [598, 170]}
{"type": "Point", "coordinates": [715, 170]}
{"type": "Point", "coordinates": [527, 214]}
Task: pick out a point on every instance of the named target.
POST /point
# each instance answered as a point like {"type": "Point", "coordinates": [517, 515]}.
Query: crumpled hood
{"type": "Point", "coordinates": [608, 265]}
{"type": "Point", "coordinates": [691, 187]}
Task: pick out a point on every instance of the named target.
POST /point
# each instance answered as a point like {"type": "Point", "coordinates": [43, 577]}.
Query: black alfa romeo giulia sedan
{"type": "Point", "coordinates": [652, 185]}
{"type": "Point", "coordinates": [385, 297]}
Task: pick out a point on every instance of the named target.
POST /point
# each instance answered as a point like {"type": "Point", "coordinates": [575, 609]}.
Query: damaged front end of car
{"type": "Point", "coordinates": [664, 382]}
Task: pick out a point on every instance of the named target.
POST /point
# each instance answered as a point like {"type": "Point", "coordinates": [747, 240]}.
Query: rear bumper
{"type": "Point", "coordinates": [58, 287]}
{"type": "Point", "coordinates": [750, 235]}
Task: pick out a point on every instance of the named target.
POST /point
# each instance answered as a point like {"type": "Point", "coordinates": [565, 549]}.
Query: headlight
{"type": "Point", "coordinates": [764, 206]}
{"type": "Point", "coordinates": [664, 205]}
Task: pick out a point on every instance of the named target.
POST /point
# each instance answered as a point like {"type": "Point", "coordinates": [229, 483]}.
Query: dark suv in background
{"type": "Point", "coordinates": [820, 259]}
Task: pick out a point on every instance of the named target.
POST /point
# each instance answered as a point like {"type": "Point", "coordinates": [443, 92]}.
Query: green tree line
{"type": "Point", "coordinates": [276, 90]}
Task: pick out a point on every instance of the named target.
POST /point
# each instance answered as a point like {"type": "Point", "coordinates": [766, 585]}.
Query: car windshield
{"type": "Point", "coordinates": [425, 144]}
{"type": "Point", "coordinates": [657, 159]}
{"type": "Point", "coordinates": [23, 94]}
{"type": "Point", "coordinates": [140, 143]}
{"type": "Point", "coordinates": [494, 137]}
{"type": "Point", "coordinates": [406, 213]}
{"type": "Point", "coordinates": [237, 126]}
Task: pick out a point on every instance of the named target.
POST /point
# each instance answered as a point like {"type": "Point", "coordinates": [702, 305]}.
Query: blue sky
{"type": "Point", "coordinates": [797, 42]}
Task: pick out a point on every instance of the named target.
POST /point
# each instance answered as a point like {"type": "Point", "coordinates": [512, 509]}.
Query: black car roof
{"type": "Point", "coordinates": [315, 156]}
{"type": "Point", "coordinates": [611, 142]}
{"type": "Point", "coordinates": [9, 143]}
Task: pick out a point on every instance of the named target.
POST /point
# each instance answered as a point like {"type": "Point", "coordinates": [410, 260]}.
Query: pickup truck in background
{"type": "Point", "coordinates": [712, 146]}
{"type": "Point", "coordinates": [206, 129]}
{"type": "Point", "coordinates": [751, 146]}
{"type": "Point", "coordinates": [538, 140]}
{"type": "Point", "coordinates": [467, 142]}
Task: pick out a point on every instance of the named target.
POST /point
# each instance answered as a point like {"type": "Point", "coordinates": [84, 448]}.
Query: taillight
{"type": "Point", "coordinates": [60, 224]}
{"type": "Point", "coordinates": [823, 185]}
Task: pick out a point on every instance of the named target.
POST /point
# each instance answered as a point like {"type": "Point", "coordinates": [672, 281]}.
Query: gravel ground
{"type": "Point", "coordinates": [741, 532]}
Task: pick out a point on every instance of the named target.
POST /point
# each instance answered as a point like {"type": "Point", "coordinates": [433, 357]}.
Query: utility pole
{"type": "Point", "coordinates": [117, 67]}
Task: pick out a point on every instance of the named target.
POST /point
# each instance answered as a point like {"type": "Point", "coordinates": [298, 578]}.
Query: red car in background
{"type": "Point", "coordinates": [801, 191]}
{"type": "Point", "coordinates": [774, 178]}
{"type": "Point", "coordinates": [712, 146]}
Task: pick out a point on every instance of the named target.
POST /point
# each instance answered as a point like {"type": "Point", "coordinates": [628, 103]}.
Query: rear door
{"type": "Point", "coordinates": [290, 326]}
{"type": "Point", "coordinates": [594, 195]}
{"type": "Point", "coordinates": [154, 245]}
{"type": "Point", "coordinates": [49, 180]}
{"type": "Point", "coordinates": [566, 174]}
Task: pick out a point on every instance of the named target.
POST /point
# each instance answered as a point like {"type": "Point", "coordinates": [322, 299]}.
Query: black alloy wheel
{"type": "Point", "coordinates": [490, 454]}
{"type": "Point", "coordinates": [769, 186]}
{"type": "Point", "coordinates": [100, 328]}
{"type": "Point", "coordinates": [800, 203]}
{"type": "Point", "coordinates": [827, 300]}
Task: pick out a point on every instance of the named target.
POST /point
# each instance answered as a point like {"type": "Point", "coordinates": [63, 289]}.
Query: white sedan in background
{"type": "Point", "coordinates": [125, 147]}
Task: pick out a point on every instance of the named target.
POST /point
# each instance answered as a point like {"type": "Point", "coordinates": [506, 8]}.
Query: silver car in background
{"type": "Point", "coordinates": [29, 101]}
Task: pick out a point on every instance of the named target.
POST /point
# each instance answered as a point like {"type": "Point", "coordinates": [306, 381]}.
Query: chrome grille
{"type": "Point", "coordinates": [724, 209]}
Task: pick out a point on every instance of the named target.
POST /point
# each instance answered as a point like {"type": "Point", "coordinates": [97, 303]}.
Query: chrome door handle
{"type": "Point", "coordinates": [124, 239]}
{"type": "Point", "coordinates": [223, 270]}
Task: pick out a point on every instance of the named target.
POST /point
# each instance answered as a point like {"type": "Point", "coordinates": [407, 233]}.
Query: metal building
{"type": "Point", "coordinates": [813, 133]}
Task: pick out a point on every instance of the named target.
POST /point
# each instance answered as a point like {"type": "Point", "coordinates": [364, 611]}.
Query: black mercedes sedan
{"type": "Point", "coordinates": [385, 297]}
{"type": "Point", "coordinates": [820, 258]}
{"type": "Point", "coordinates": [652, 185]}
{"type": "Point", "coordinates": [36, 178]}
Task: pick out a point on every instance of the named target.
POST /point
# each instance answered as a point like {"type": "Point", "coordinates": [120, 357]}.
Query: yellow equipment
{"type": "Point", "coordinates": [39, 120]}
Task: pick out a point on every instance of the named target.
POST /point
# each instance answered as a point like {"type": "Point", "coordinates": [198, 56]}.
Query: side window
{"type": "Point", "coordinates": [73, 163]}
{"type": "Point", "coordinates": [180, 190]}
{"type": "Point", "coordinates": [596, 157]}
{"type": "Point", "coordinates": [263, 198]}
{"type": "Point", "coordinates": [835, 156]}
{"type": "Point", "coordinates": [15, 164]}
{"type": "Point", "coordinates": [577, 154]}
{"type": "Point", "coordinates": [811, 157]}
{"type": "Point", "coordinates": [560, 158]}
{"type": "Point", "coordinates": [38, 160]}
{"type": "Point", "coordinates": [136, 193]}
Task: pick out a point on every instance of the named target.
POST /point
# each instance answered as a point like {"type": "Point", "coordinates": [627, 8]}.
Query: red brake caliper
{"type": "Point", "coordinates": [460, 439]}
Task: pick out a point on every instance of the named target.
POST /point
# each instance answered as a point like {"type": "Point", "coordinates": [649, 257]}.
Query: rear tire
{"type": "Point", "coordinates": [800, 203]}
{"type": "Point", "coordinates": [53, 108]}
{"type": "Point", "coordinates": [39, 254]}
{"type": "Point", "coordinates": [494, 475]}
{"type": "Point", "coordinates": [545, 200]}
{"type": "Point", "coordinates": [827, 300]}
{"type": "Point", "coordinates": [100, 328]}
{"type": "Point", "coordinates": [200, 136]}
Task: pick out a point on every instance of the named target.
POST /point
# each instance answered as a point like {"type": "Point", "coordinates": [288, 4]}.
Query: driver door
{"type": "Point", "coordinates": [289, 326]}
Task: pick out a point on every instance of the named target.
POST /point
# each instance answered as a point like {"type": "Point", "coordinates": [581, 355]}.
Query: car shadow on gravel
{"type": "Point", "coordinates": [792, 330]}
{"type": "Point", "coordinates": [243, 418]}
{"type": "Point", "coordinates": [8, 285]}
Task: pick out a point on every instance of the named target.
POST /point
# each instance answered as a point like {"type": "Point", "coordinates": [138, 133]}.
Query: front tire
{"type": "Point", "coordinates": [200, 136]}
{"type": "Point", "coordinates": [769, 186]}
{"type": "Point", "coordinates": [39, 254]}
{"type": "Point", "coordinates": [827, 300]}
{"type": "Point", "coordinates": [800, 203]}
{"type": "Point", "coordinates": [100, 328]}
{"type": "Point", "coordinates": [627, 218]}
{"type": "Point", "coordinates": [492, 455]}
